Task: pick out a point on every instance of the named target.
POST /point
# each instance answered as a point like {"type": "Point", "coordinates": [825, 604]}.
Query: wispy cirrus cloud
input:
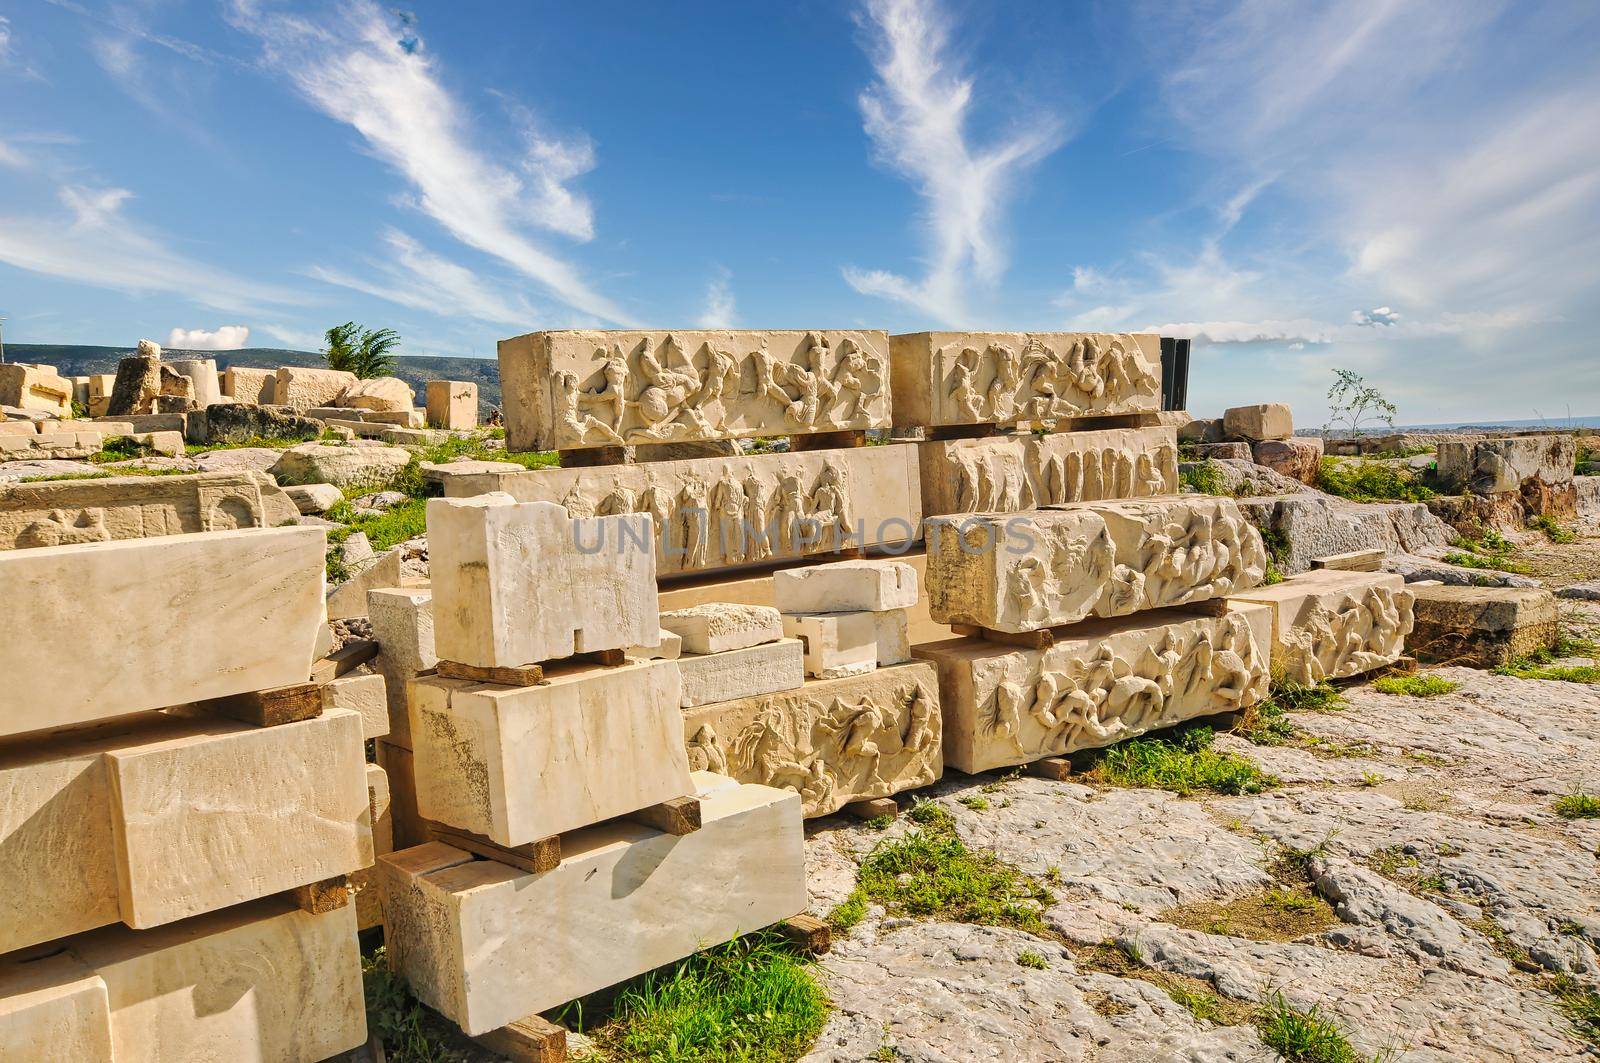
{"type": "Point", "coordinates": [413, 276]}
{"type": "Point", "coordinates": [361, 67]}
{"type": "Point", "coordinates": [719, 308]}
{"type": "Point", "coordinates": [917, 113]}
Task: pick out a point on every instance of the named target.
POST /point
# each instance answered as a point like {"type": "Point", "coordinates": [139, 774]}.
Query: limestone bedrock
{"type": "Point", "coordinates": [1101, 682]}
{"type": "Point", "coordinates": [952, 378]}
{"type": "Point", "coordinates": [605, 742]}
{"type": "Point", "coordinates": [1330, 624]}
{"type": "Point", "coordinates": [566, 390]}
{"type": "Point", "coordinates": [718, 626]}
{"type": "Point", "coordinates": [832, 742]}
{"type": "Point", "coordinates": [845, 586]}
{"type": "Point", "coordinates": [517, 583]}
{"type": "Point", "coordinates": [487, 944]}
{"type": "Point", "coordinates": [1044, 568]}
{"type": "Point", "coordinates": [239, 611]}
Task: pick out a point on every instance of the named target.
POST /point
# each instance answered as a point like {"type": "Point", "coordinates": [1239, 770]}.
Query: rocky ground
{"type": "Point", "coordinates": [1408, 877]}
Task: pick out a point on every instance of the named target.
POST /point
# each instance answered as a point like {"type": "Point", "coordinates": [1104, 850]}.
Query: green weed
{"type": "Point", "coordinates": [1184, 766]}
{"type": "Point", "coordinates": [1415, 686]}
{"type": "Point", "coordinates": [1303, 1036]}
{"type": "Point", "coordinates": [1368, 481]}
{"type": "Point", "coordinates": [1578, 805]}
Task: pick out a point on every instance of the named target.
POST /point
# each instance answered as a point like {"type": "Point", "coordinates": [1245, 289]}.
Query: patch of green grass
{"type": "Point", "coordinates": [52, 477]}
{"type": "Point", "coordinates": [252, 442]}
{"type": "Point", "coordinates": [1303, 1036]}
{"type": "Point", "coordinates": [120, 448]}
{"type": "Point", "coordinates": [1415, 686]}
{"type": "Point", "coordinates": [749, 1001]}
{"type": "Point", "coordinates": [1492, 551]}
{"type": "Point", "coordinates": [1184, 766]}
{"type": "Point", "coordinates": [1581, 1005]}
{"type": "Point", "coordinates": [1369, 481]}
{"type": "Point", "coordinates": [1203, 477]}
{"type": "Point", "coordinates": [1556, 533]}
{"type": "Point", "coordinates": [475, 447]}
{"type": "Point", "coordinates": [1035, 960]}
{"type": "Point", "coordinates": [1265, 724]}
{"type": "Point", "coordinates": [1319, 697]}
{"type": "Point", "coordinates": [1537, 666]}
{"type": "Point", "coordinates": [411, 1033]}
{"type": "Point", "coordinates": [976, 803]}
{"type": "Point", "coordinates": [848, 912]}
{"type": "Point", "coordinates": [1578, 805]}
{"type": "Point", "coordinates": [930, 873]}
{"type": "Point", "coordinates": [1203, 1006]}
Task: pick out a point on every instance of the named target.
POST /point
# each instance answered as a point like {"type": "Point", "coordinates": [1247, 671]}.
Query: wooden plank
{"type": "Point", "coordinates": [848, 439]}
{"type": "Point", "coordinates": [873, 808]}
{"type": "Point", "coordinates": [605, 658]}
{"type": "Point", "coordinates": [1057, 768]}
{"type": "Point", "coordinates": [809, 935]}
{"type": "Point", "coordinates": [329, 895]}
{"type": "Point", "coordinates": [269, 708]}
{"type": "Point", "coordinates": [347, 658]}
{"type": "Point", "coordinates": [679, 816]}
{"type": "Point", "coordinates": [528, 1040]}
{"type": "Point", "coordinates": [1354, 561]}
{"type": "Point", "coordinates": [527, 675]}
{"type": "Point", "coordinates": [1033, 640]}
{"type": "Point", "coordinates": [537, 857]}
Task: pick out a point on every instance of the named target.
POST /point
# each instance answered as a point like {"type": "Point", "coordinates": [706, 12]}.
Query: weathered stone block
{"type": "Point", "coordinates": [1201, 430]}
{"type": "Point", "coordinates": [726, 512]}
{"type": "Point", "coordinates": [452, 404]}
{"type": "Point", "coordinates": [402, 624]}
{"type": "Point", "coordinates": [1505, 465]}
{"type": "Point", "coordinates": [894, 639]}
{"type": "Point", "coordinates": [1299, 458]}
{"type": "Point", "coordinates": [1206, 451]}
{"type": "Point", "coordinates": [1587, 498]}
{"type": "Point", "coordinates": [517, 583]}
{"type": "Point", "coordinates": [832, 742]}
{"type": "Point", "coordinates": [380, 394]}
{"type": "Point", "coordinates": [35, 387]}
{"type": "Point", "coordinates": [239, 611]}
{"type": "Point", "coordinates": [1009, 473]}
{"type": "Point", "coordinates": [53, 1007]}
{"type": "Point", "coordinates": [342, 466]}
{"type": "Point", "coordinates": [718, 626]}
{"type": "Point", "coordinates": [202, 376]}
{"type": "Point", "coordinates": [754, 670]}
{"type": "Point", "coordinates": [1101, 682]}
{"type": "Point", "coordinates": [487, 944]}
{"type": "Point", "coordinates": [952, 378]}
{"type": "Point", "coordinates": [1482, 627]}
{"type": "Point", "coordinates": [565, 390]}
{"type": "Point", "coordinates": [255, 386]}
{"type": "Point", "coordinates": [305, 388]}
{"type": "Point", "coordinates": [835, 644]}
{"type": "Point", "coordinates": [235, 422]}
{"type": "Point", "coordinates": [604, 740]}
{"type": "Point", "coordinates": [313, 498]}
{"type": "Point", "coordinates": [1330, 624]}
{"type": "Point", "coordinates": [1044, 568]}
{"type": "Point", "coordinates": [143, 381]}
{"type": "Point", "coordinates": [1268, 420]}
{"type": "Point", "coordinates": [364, 695]}
{"type": "Point", "coordinates": [845, 586]}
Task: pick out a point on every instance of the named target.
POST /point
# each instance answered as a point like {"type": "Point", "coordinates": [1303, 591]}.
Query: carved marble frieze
{"type": "Point", "coordinates": [833, 741]}
{"type": "Point", "coordinates": [66, 512]}
{"type": "Point", "coordinates": [1331, 624]}
{"type": "Point", "coordinates": [1101, 682]}
{"type": "Point", "coordinates": [568, 390]}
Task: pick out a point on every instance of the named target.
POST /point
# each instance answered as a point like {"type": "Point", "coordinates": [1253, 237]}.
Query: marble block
{"type": "Point", "coordinates": [894, 638]}
{"type": "Point", "coordinates": [845, 586]}
{"type": "Point", "coordinates": [832, 742]}
{"type": "Point", "coordinates": [365, 886]}
{"type": "Point", "coordinates": [486, 944]}
{"type": "Point", "coordinates": [718, 626]}
{"type": "Point", "coordinates": [175, 619]}
{"type": "Point", "coordinates": [259, 981]}
{"type": "Point", "coordinates": [1101, 682]}
{"type": "Point", "coordinates": [1268, 420]}
{"type": "Point", "coordinates": [53, 1007]}
{"type": "Point", "coordinates": [452, 404]}
{"type": "Point", "coordinates": [402, 624]}
{"type": "Point", "coordinates": [835, 644]}
{"type": "Point", "coordinates": [711, 513]}
{"type": "Point", "coordinates": [365, 695]}
{"type": "Point", "coordinates": [202, 374]}
{"type": "Point", "coordinates": [517, 583]}
{"type": "Point", "coordinates": [243, 384]}
{"type": "Point", "coordinates": [763, 669]}
{"type": "Point", "coordinates": [1044, 568]}
{"type": "Point", "coordinates": [953, 378]}
{"type": "Point", "coordinates": [1329, 624]}
{"type": "Point", "coordinates": [670, 648]}
{"type": "Point", "coordinates": [1501, 465]}
{"type": "Point", "coordinates": [35, 387]}
{"type": "Point", "coordinates": [566, 390]}
{"type": "Point", "coordinates": [1009, 473]}
{"type": "Point", "coordinates": [303, 388]}
{"type": "Point", "coordinates": [517, 764]}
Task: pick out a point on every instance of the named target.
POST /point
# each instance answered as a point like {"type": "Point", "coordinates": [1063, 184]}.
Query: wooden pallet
{"type": "Point", "coordinates": [528, 1040]}
{"type": "Point", "coordinates": [328, 895]}
{"type": "Point", "coordinates": [525, 675]}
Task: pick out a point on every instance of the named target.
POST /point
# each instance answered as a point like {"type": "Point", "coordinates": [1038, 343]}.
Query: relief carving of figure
{"type": "Point", "coordinates": [666, 390]}
{"type": "Point", "coordinates": [612, 392]}
{"type": "Point", "coordinates": [1002, 397]}
{"type": "Point", "coordinates": [920, 733]}
{"type": "Point", "coordinates": [788, 513]}
{"type": "Point", "coordinates": [830, 506]}
{"type": "Point", "coordinates": [618, 501]}
{"type": "Point", "coordinates": [61, 528]}
{"type": "Point", "coordinates": [728, 508]}
{"type": "Point", "coordinates": [759, 544]}
{"type": "Point", "coordinates": [694, 519]}
{"type": "Point", "coordinates": [849, 377]}
{"type": "Point", "coordinates": [964, 394]}
{"type": "Point", "coordinates": [705, 751]}
{"type": "Point", "coordinates": [654, 501]}
{"type": "Point", "coordinates": [575, 502]}
{"type": "Point", "coordinates": [580, 425]}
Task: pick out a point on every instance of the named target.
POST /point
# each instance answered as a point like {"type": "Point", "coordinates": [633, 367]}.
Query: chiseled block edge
{"type": "Point", "coordinates": [764, 669]}
{"type": "Point", "coordinates": [487, 944]}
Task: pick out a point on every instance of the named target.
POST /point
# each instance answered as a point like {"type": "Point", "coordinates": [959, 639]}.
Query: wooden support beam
{"type": "Point", "coordinates": [329, 895]}
{"type": "Point", "coordinates": [528, 1040]}
{"type": "Point", "coordinates": [527, 675]}
{"type": "Point", "coordinates": [269, 708]}
{"type": "Point", "coordinates": [537, 857]}
{"type": "Point", "coordinates": [809, 935]}
{"type": "Point", "coordinates": [848, 439]}
{"type": "Point", "coordinates": [1354, 561]}
{"type": "Point", "coordinates": [590, 457]}
{"type": "Point", "coordinates": [347, 658]}
{"type": "Point", "coordinates": [1057, 768]}
{"type": "Point", "coordinates": [680, 815]}
{"type": "Point", "coordinates": [1033, 640]}
{"type": "Point", "coordinates": [872, 808]}
{"type": "Point", "coordinates": [961, 431]}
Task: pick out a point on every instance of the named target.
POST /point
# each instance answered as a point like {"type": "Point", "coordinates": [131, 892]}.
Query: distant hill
{"type": "Point", "coordinates": [80, 360]}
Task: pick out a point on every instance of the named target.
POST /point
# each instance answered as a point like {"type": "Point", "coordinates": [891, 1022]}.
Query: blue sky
{"type": "Point", "coordinates": [1405, 188]}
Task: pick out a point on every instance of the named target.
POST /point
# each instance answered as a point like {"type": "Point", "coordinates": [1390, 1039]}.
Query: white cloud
{"type": "Point", "coordinates": [917, 113]}
{"type": "Point", "coordinates": [221, 338]}
{"type": "Point", "coordinates": [719, 310]}
{"type": "Point", "coordinates": [413, 276]}
{"type": "Point", "coordinates": [5, 39]}
{"type": "Point", "coordinates": [374, 74]}
{"type": "Point", "coordinates": [1377, 317]}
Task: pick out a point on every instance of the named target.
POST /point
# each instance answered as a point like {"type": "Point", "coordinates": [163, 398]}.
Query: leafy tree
{"type": "Point", "coordinates": [1351, 401]}
{"type": "Point", "coordinates": [364, 352]}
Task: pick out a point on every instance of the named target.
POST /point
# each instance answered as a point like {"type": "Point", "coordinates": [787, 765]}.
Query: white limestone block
{"type": "Point", "coordinates": [402, 624]}
{"type": "Point", "coordinates": [894, 639]}
{"type": "Point", "coordinates": [518, 764]}
{"type": "Point", "coordinates": [845, 586]}
{"type": "Point", "coordinates": [835, 644]}
{"type": "Point", "coordinates": [452, 404]}
{"type": "Point", "coordinates": [365, 695]}
{"type": "Point", "coordinates": [718, 626]}
{"type": "Point", "coordinates": [518, 583]}
{"type": "Point", "coordinates": [1332, 624]}
{"type": "Point", "coordinates": [487, 944]}
{"type": "Point", "coordinates": [763, 669]}
{"type": "Point", "coordinates": [669, 648]}
{"type": "Point", "coordinates": [53, 1007]}
{"type": "Point", "coordinates": [175, 619]}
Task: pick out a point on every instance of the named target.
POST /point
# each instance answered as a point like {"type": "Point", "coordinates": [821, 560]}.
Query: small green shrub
{"type": "Point", "coordinates": [1370, 481]}
{"type": "Point", "coordinates": [1415, 686]}
{"type": "Point", "coordinates": [1183, 767]}
{"type": "Point", "coordinates": [1303, 1036]}
{"type": "Point", "coordinates": [1319, 697]}
{"type": "Point", "coordinates": [1581, 1005]}
{"type": "Point", "coordinates": [1203, 477]}
{"type": "Point", "coordinates": [1035, 960]}
{"type": "Point", "coordinates": [1556, 533]}
{"type": "Point", "coordinates": [1578, 805]}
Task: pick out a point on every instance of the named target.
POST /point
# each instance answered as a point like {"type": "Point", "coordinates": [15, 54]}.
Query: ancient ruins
{"type": "Point", "coordinates": [570, 725]}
